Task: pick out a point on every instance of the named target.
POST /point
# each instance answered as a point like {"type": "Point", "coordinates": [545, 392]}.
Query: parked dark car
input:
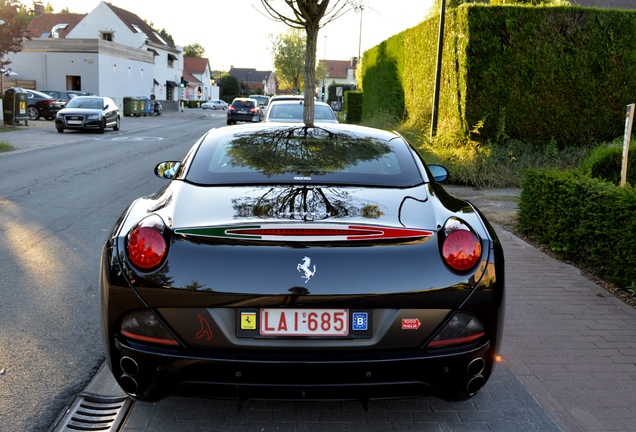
{"type": "Point", "coordinates": [287, 262]}
{"type": "Point", "coordinates": [42, 105]}
{"type": "Point", "coordinates": [65, 95]}
{"type": "Point", "coordinates": [244, 110]}
{"type": "Point", "coordinates": [88, 112]}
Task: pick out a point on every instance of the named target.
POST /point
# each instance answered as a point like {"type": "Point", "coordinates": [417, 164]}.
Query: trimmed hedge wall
{"type": "Point", "coordinates": [353, 106]}
{"type": "Point", "coordinates": [534, 73]}
{"type": "Point", "coordinates": [586, 220]}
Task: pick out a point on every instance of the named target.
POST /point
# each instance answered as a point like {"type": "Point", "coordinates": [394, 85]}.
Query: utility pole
{"type": "Point", "coordinates": [438, 69]}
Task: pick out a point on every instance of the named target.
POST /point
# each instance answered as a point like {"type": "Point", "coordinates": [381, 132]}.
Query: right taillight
{"type": "Point", "coordinates": [146, 246]}
{"type": "Point", "coordinates": [461, 329]}
{"type": "Point", "coordinates": [461, 249]}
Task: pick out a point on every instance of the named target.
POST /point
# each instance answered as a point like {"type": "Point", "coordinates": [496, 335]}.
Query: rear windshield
{"type": "Point", "coordinates": [243, 104]}
{"type": "Point", "coordinates": [302, 155]}
{"type": "Point", "coordinates": [262, 100]}
{"type": "Point", "coordinates": [294, 112]}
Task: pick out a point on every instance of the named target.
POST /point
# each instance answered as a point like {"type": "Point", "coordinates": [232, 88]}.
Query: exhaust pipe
{"type": "Point", "coordinates": [475, 385]}
{"type": "Point", "coordinates": [128, 384]}
{"type": "Point", "coordinates": [476, 366]}
{"type": "Point", "coordinates": [129, 366]}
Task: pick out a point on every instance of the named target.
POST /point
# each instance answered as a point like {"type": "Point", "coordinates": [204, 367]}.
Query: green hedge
{"type": "Point", "coordinates": [195, 103]}
{"type": "Point", "coordinates": [537, 74]}
{"type": "Point", "coordinates": [588, 221]}
{"type": "Point", "coordinates": [605, 162]}
{"type": "Point", "coordinates": [353, 106]}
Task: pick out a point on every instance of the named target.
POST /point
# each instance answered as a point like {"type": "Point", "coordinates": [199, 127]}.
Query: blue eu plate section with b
{"type": "Point", "coordinates": [359, 321]}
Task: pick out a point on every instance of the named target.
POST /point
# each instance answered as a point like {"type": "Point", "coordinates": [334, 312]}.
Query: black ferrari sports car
{"type": "Point", "coordinates": [288, 262]}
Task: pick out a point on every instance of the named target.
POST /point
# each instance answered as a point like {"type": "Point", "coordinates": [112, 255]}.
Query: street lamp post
{"type": "Point", "coordinates": [324, 74]}
{"type": "Point", "coordinates": [248, 82]}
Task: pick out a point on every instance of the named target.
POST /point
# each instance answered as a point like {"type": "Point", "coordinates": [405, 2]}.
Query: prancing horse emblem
{"type": "Point", "coordinates": [304, 267]}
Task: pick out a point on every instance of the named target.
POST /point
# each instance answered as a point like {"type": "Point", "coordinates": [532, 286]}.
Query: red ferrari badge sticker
{"type": "Point", "coordinates": [410, 323]}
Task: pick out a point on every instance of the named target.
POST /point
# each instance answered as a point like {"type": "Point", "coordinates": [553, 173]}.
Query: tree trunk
{"type": "Point", "coordinates": [310, 73]}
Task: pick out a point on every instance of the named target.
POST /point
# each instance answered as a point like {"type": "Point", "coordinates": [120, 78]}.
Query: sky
{"type": "Point", "coordinates": [235, 33]}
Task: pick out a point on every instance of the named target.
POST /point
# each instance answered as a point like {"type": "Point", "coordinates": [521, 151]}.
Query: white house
{"type": "Point", "coordinates": [200, 86]}
{"type": "Point", "coordinates": [109, 52]}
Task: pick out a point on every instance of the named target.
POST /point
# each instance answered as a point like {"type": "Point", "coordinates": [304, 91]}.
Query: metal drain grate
{"type": "Point", "coordinates": [90, 412]}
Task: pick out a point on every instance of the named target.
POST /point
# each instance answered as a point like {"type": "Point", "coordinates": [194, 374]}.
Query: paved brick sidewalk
{"type": "Point", "coordinates": [503, 405]}
{"type": "Point", "coordinates": [570, 342]}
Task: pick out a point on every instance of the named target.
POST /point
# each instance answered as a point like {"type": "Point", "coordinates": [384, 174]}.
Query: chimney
{"type": "Point", "coordinates": [56, 29]}
{"type": "Point", "coordinates": [38, 9]}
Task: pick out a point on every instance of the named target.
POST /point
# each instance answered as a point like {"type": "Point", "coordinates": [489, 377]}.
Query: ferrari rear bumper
{"type": "Point", "coordinates": [150, 375]}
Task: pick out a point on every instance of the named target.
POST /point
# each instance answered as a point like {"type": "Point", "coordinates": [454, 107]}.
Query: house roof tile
{"type": "Point", "coordinates": [337, 68]}
{"type": "Point", "coordinates": [190, 78]}
{"type": "Point", "coordinates": [130, 18]}
{"type": "Point", "coordinates": [252, 74]}
{"type": "Point", "coordinates": [195, 64]}
{"type": "Point", "coordinates": [41, 27]}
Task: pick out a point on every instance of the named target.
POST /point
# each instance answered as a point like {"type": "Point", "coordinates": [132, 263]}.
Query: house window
{"type": "Point", "coordinates": [107, 36]}
{"type": "Point", "coordinates": [158, 36]}
{"type": "Point", "coordinates": [171, 59]}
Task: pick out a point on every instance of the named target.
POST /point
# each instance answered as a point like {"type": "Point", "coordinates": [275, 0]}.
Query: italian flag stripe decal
{"type": "Point", "coordinates": [315, 232]}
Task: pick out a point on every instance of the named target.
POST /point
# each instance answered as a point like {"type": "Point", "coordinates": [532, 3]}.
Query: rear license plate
{"type": "Point", "coordinates": [74, 122]}
{"type": "Point", "coordinates": [304, 322]}
{"type": "Point", "coordinates": [242, 112]}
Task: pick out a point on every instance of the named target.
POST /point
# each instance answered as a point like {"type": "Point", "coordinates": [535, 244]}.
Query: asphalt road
{"type": "Point", "coordinates": [60, 195]}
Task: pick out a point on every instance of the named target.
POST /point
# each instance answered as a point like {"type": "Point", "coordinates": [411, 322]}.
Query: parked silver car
{"type": "Point", "coordinates": [292, 111]}
{"type": "Point", "coordinates": [215, 104]}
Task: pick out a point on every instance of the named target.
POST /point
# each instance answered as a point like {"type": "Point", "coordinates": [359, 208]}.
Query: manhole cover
{"type": "Point", "coordinates": [94, 413]}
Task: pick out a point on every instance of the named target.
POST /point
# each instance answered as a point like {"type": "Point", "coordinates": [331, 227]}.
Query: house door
{"type": "Point", "coordinates": [73, 82]}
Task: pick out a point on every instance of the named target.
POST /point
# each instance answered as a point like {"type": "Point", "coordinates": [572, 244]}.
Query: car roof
{"type": "Point", "coordinates": [292, 111]}
{"type": "Point", "coordinates": [40, 94]}
{"type": "Point", "coordinates": [289, 97]}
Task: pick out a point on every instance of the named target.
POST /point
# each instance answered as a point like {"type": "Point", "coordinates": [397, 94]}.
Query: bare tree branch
{"type": "Point", "coordinates": [310, 15]}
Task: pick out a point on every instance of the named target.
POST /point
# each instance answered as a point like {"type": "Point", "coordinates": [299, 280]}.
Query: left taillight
{"type": "Point", "coordinates": [146, 245]}
{"type": "Point", "coordinates": [144, 326]}
{"type": "Point", "coordinates": [461, 248]}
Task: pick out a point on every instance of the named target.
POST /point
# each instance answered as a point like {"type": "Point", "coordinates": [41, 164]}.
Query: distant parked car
{"type": "Point", "coordinates": [215, 104]}
{"type": "Point", "coordinates": [88, 112]}
{"type": "Point", "coordinates": [42, 105]}
{"type": "Point", "coordinates": [288, 98]}
{"type": "Point", "coordinates": [263, 101]}
{"type": "Point", "coordinates": [292, 111]}
{"type": "Point", "coordinates": [245, 110]}
{"type": "Point", "coordinates": [65, 95]}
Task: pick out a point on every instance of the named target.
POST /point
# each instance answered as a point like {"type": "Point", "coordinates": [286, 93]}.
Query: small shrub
{"type": "Point", "coordinates": [605, 163]}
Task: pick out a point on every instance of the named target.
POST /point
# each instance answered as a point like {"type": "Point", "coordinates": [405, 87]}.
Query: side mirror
{"type": "Point", "coordinates": [106, 106]}
{"type": "Point", "coordinates": [439, 172]}
{"type": "Point", "coordinates": [167, 170]}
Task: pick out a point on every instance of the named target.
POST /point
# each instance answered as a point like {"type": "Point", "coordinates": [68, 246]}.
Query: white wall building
{"type": "Point", "coordinates": [109, 52]}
